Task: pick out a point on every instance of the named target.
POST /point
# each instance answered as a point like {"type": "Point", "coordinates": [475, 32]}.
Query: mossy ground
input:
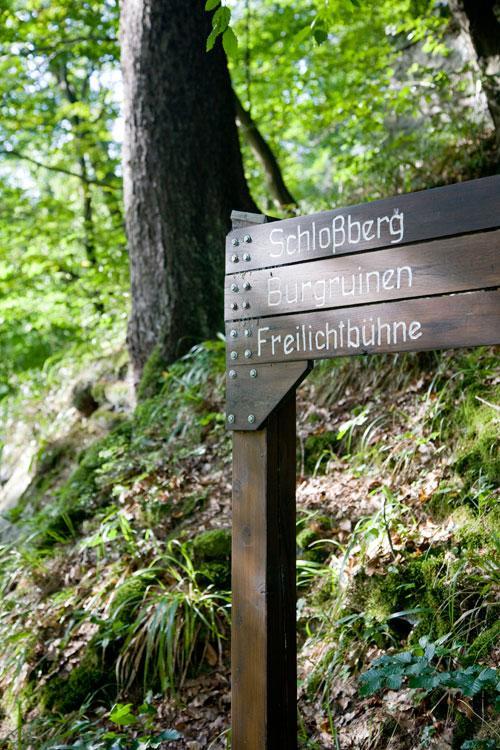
{"type": "Point", "coordinates": [95, 565]}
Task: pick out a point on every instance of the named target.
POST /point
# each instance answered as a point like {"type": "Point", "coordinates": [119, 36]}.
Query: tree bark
{"type": "Point", "coordinates": [183, 174]}
{"type": "Point", "coordinates": [480, 19]}
{"type": "Point", "coordinates": [263, 153]}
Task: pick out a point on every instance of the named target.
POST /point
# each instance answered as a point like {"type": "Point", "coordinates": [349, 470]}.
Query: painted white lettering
{"type": "Point", "coordinates": [409, 273]}
{"type": "Point", "coordinates": [275, 339]}
{"type": "Point", "coordinates": [323, 345]}
{"type": "Point", "coordinates": [415, 330]}
{"type": "Point", "coordinates": [277, 242]}
{"type": "Point", "coordinates": [261, 340]}
{"type": "Point", "coordinates": [396, 226]}
{"type": "Point", "coordinates": [273, 291]}
{"type": "Point", "coordinates": [387, 276]}
{"type": "Point", "coordinates": [356, 226]}
{"type": "Point", "coordinates": [324, 237]}
{"type": "Point", "coordinates": [338, 233]}
{"type": "Point", "coordinates": [288, 240]}
{"type": "Point", "coordinates": [367, 228]}
{"type": "Point", "coordinates": [288, 342]}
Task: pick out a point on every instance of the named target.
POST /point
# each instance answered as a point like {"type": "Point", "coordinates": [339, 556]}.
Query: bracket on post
{"type": "Point", "coordinates": [253, 392]}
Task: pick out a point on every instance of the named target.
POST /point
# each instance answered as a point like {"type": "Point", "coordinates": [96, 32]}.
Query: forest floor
{"type": "Point", "coordinates": [114, 623]}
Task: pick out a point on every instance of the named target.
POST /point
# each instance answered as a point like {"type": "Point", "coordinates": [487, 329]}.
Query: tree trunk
{"type": "Point", "coordinates": [183, 174]}
{"type": "Point", "coordinates": [480, 19]}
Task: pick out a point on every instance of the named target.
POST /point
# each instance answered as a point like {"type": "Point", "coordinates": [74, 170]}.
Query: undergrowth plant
{"type": "Point", "coordinates": [178, 624]}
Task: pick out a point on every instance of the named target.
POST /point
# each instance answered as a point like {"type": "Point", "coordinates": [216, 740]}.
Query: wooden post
{"type": "Point", "coordinates": [264, 671]}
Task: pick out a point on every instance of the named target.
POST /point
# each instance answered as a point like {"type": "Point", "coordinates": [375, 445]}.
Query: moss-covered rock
{"type": "Point", "coordinates": [212, 555]}
{"type": "Point", "coordinates": [311, 547]}
{"type": "Point", "coordinates": [152, 378]}
{"type": "Point", "coordinates": [127, 598]}
{"type": "Point", "coordinates": [65, 694]}
{"type": "Point", "coordinates": [214, 544]}
{"type": "Point", "coordinates": [318, 448]}
{"type": "Point", "coordinates": [479, 453]}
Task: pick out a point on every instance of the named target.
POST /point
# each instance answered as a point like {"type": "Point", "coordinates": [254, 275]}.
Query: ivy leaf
{"type": "Point", "coordinates": [211, 4]}
{"type": "Point", "coordinates": [230, 42]}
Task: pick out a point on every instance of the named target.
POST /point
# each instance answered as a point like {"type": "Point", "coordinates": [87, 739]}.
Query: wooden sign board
{"type": "Point", "coordinates": [410, 273]}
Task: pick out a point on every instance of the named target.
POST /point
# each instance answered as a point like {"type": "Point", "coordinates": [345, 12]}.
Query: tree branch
{"type": "Point", "coordinates": [52, 168]}
{"type": "Point", "coordinates": [264, 155]}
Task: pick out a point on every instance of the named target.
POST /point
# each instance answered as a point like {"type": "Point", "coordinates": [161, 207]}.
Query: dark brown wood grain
{"type": "Point", "coordinates": [264, 675]}
{"type": "Point", "coordinates": [454, 264]}
{"type": "Point", "coordinates": [430, 214]}
{"type": "Point", "coordinates": [253, 392]}
{"type": "Point", "coordinates": [467, 319]}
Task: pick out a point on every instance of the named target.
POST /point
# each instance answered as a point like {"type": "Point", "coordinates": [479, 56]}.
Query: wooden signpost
{"type": "Point", "coordinates": [415, 272]}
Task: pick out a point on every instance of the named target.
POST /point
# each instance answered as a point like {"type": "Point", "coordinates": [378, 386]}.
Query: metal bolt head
{"type": "Point", "coordinates": [234, 259]}
{"type": "Point", "coordinates": [253, 373]}
{"type": "Point", "coordinates": [248, 332]}
{"type": "Point", "coordinates": [232, 373]}
{"type": "Point", "coordinates": [234, 288]}
{"type": "Point", "coordinates": [234, 306]}
{"type": "Point", "coordinates": [245, 305]}
{"type": "Point", "coordinates": [230, 418]}
{"type": "Point", "coordinates": [246, 256]}
{"type": "Point", "coordinates": [247, 286]}
{"type": "Point", "coordinates": [248, 353]}
{"type": "Point", "coordinates": [251, 418]}
{"type": "Point", "coordinates": [234, 355]}
{"type": "Point", "coordinates": [247, 238]}
{"type": "Point", "coordinates": [234, 334]}
{"type": "Point", "coordinates": [235, 242]}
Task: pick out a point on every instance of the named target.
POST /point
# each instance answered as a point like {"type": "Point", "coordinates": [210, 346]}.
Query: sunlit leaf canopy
{"type": "Point", "coordinates": [357, 100]}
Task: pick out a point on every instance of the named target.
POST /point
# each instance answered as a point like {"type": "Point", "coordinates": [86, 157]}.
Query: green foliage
{"type": "Point", "coordinates": [357, 102]}
{"type": "Point", "coordinates": [416, 669]}
{"type": "Point", "coordinates": [134, 729]}
{"type": "Point", "coordinates": [66, 694]}
{"type": "Point", "coordinates": [479, 454]}
{"type": "Point", "coordinates": [175, 627]}
{"type": "Point", "coordinates": [152, 378]}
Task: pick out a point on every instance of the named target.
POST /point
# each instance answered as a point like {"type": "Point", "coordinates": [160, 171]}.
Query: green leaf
{"type": "Point", "coordinates": [221, 19]}
{"type": "Point", "coordinates": [121, 715]}
{"type": "Point", "coordinates": [230, 42]}
{"type": "Point", "coordinates": [211, 4]}
{"type": "Point", "coordinates": [211, 39]}
{"type": "Point", "coordinates": [320, 35]}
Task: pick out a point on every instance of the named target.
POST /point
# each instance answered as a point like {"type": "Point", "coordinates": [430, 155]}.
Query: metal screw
{"type": "Point", "coordinates": [234, 334]}
{"type": "Point", "coordinates": [247, 238]}
{"type": "Point", "coordinates": [246, 256]}
{"type": "Point", "coordinates": [246, 286]}
{"type": "Point", "coordinates": [251, 418]}
{"type": "Point", "coordinates": [234, 259]}
{"type": "Point", "coordinates": [232, 373]}
{"type": "Point", "coordinates": [234, 288]}
{"type": "Point", "coordinates": [235, 242]}
{"type": "Point", "coordinates": [253, 373]}
{"type": "Point", "coordinates": [230, 418]}
{"type": "Point", "coordinates": [248, 332]}
{"type": "Point", "coordinates": [245, 305]}
{"type": "Point", "coordinates": [248, 353]}
{"type": "Point", "coordinates": [234, 306]}
{"type": "Point", "coordinates": [234, 355]}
